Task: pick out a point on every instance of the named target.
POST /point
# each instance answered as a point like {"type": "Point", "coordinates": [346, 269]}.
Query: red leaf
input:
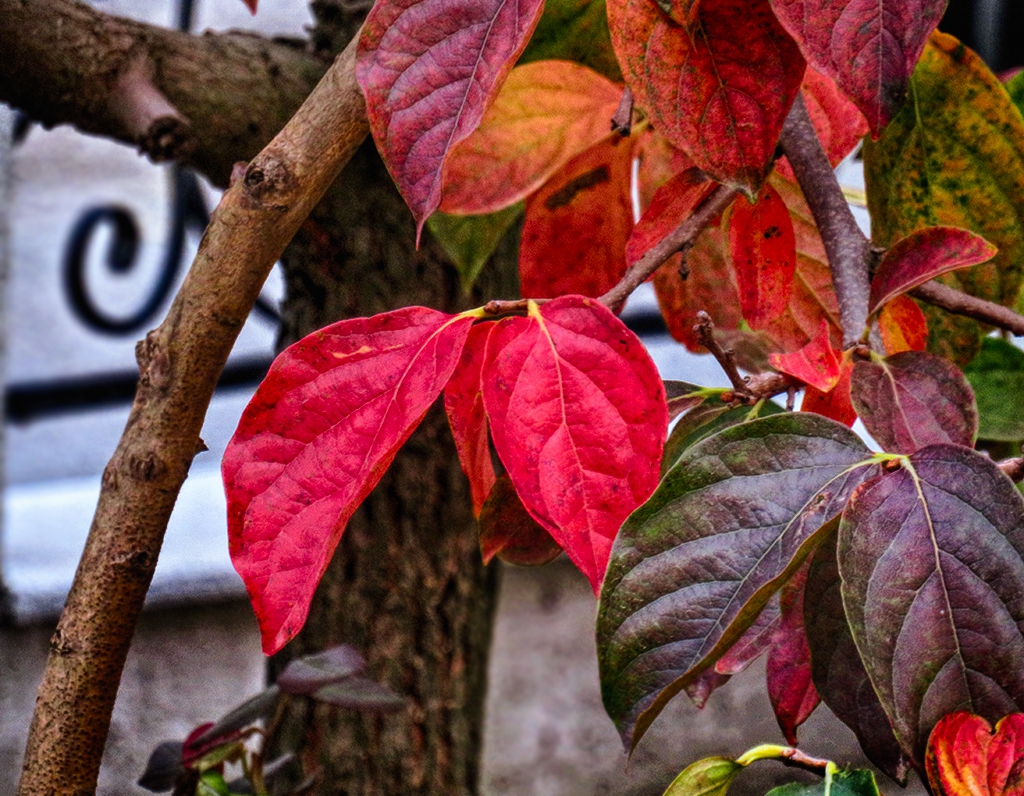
{"type": "Point", "coordinates": [546, 113]}
{"type": "Point", "coordinates": [659, 163]}
{"type": "Point", "coordinates": [836, 402]}
{"type": "Point", "coordinates": [700, 690]}
{"type": "Point", "coordinates": [670, 206]}
{"type": "Point", "coordinates": [965, 757]}
{"type": "Point", "coordinates": [903, 326]}
{"type": "Point", "coordinates": [251, 5]}
{"type": "Point", "coordinates": [464, 404]}
{"type": "Point", "coordinates": [710, 286]}
{"type": "Point", "coordinates": [578, 418]}
{"type": "Point", "coordinates": [718, 89]}
{"type": "Point", "coordinates": [840, 126]}
{"type": "Point", "coordinates": [812, 298]}
{"type": "Point", "coordinates": [509, 532]}
{"type": "Point", "coordinates": [429, 69]}
{"type": "Point", "coordinates": [816, 364]}
{"type": "Point", "coordinates": [577, 225]}
{"type": "Point", "coordinates": [924, 255]}
{"type": "Point", "coordinates": [763, 248]}
{"type": "Point", "coordinates": [753, 643]}
{"type": "Point", "coordinates": [316, 438]}
{"type": "Point", "coordinates": [869, 48]}
{"type": "Point", "coordinates": [790, 687]}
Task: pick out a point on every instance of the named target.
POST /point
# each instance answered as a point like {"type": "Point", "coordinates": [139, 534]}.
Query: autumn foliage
{"type": "Point", "coordinates": [885, 583]}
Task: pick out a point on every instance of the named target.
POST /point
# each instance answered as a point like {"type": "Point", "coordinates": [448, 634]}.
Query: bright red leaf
{"type": "Point", "coordinates": [464, 403]}
{"type": "Point", "coordinates": [835, 403]}
{"type": "Point", "coordinates": [509, 532]}
{"type": "Point", "coordinates": [718, 89]}
{"type": "Point", "coordinates": [316, 438]}
{"type": "Point", "coordinates": [578, 418]}
{"type": "Point", "coordinates": [429, 69]}
{"type": "Point", "coordinates": [903, 326]}
{"type": "Point", "coordinates": [817, 363]}
{"type": "Point", "coordinates": [967, 758]}
{"type": "Point", "coordinates": [790, 687]}
{"type": "Point", "coordinates": [869, 48]}
{"type": "Point", "coordinates": [577, 225]}
{"type": "Point", "coordinates": [924, 255]}
{"type": "Point", "coordinates": [670, 206]}
{"type": "Point", "coordinates": [763, 248]}
{"type": "Point", "coordinates": [546, 113]}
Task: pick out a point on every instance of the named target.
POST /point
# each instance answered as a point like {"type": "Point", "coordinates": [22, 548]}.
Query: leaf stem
{"type": "Point", "coordinates": [678, 240]}
{"type": "Point", "coordinates": [847, 248]}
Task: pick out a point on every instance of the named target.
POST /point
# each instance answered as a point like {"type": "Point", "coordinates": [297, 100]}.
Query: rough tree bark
{"type": "Point", "coordinates": [207, 101]}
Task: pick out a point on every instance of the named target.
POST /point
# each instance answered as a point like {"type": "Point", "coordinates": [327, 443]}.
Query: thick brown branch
{"type": "Point", "coordinates": [960, 303]}
{"type": "Point", "coordinates": [679, 240]}
{"type": "Point", "coordinates": [845, 245]}
{"type": "Point", "coordinates": [206, 101]}
{"type": "Point", "coordinates": [179, 365]}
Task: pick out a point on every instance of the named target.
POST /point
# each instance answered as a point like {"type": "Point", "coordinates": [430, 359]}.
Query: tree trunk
{"type": "Point", "coordinates": [407, 585]}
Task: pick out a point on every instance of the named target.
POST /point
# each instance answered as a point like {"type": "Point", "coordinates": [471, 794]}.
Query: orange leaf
{"type": "Point", "coordinates": [965, 757]}
{"type": "Point", "coordinates": [671, 205]}
{"type": "Point", "coordinates": [903, 326]}
{"type": "Point", "coordinates": [577, 225]}
{"type": "Point", "coordinates": [546, 113]}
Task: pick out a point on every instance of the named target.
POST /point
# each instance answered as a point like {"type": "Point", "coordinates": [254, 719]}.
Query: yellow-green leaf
{"type": "Point", "coordinates": [954, 156]}
{"type": "Point", "coordinates": [471, 240]}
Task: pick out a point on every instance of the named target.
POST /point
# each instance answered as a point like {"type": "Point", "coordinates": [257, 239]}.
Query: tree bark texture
{"type": "Point", "coordinates": [179, 364]}
{"type": "Point", "coordinates": [207, 101]}
{"type": "Point", "coordinates": [407, 585]}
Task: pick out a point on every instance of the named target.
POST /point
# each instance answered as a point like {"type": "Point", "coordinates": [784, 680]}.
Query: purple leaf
{"type": "Point", "coordinates": [911, 400]}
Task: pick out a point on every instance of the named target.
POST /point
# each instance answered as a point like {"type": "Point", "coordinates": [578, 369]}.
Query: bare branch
{"type": "Point", "coordinates": [1014, 468]}
{"type": "Point", "coordinates": [206, 101]}
{"type": "Point", "coordinates": [679, 240]}
{"type": "Point", "coordinates": [704, 331]}
{"type": "Point", "coordinates": [622, 120]}
{"type": "Point", "coordinates": [179, 365]}
{"type": "Point", "coordinates": [960, 303]}
{"type": "Point", "coordinates": [846, 246]}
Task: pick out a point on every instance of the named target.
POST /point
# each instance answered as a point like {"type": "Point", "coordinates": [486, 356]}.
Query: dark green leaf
{"type": "Point", "coordinates": [682, 396]}
{"type": "Point", "coordinates": [574, 30]}
{"type": "Point", "coordinates": [692, 568]}
{"type": "Point", "coordinates": [836, 668]}
{"type": "Point", "coordinates": [914, 399]}
{"type": "Point", "coordinates": [708, 418]}
{"type": "Point", "coordinates": [954, 156]}
{"type": "Point", "coordinates": [1015, 88]}
{"type": "Point", "coordinates": [997, 376]}
{"type": "Point", "coordinates": [246, 714]}
{"type": "Point", "coordinates": [855, 782]}
{"type": "Point", "coordinates": [932, 564]}
{"type": "Point", "coordinates": [711, 776]}
{"type": "Point", "coordinates": [305, 675]}
{"type": "Point", "coordinates": [163, 768]}
{"type": "Point", "coordinates": [359, 693]}
{"type": "Point", "coordinates": [471, 240]}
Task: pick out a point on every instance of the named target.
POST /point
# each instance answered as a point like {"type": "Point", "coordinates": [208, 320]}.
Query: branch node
{"type": "Point", "coordinates": [149, 118]}
{"type": "Point", "coordinates": [622, 120]}
{"type": "Point", "coordinates": [704, 330]}
{"type": "Point", "coordinates": [1014, 468]}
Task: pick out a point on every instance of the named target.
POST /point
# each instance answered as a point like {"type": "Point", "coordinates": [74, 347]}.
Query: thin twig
{"type": "Point", "coordinates": [704, 330]}
{"type": "Point", "coordinates": [845, 245]}
{"type": "Point", "coordinates": [683, 236]}
{"type": "Point", "coordinates": [960, 303]}
{"type": "Point", "coordinates": [179, 365]}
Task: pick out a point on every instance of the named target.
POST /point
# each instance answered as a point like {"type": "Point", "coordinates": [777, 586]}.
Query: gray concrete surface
{"type": "Point", "coordinates": [546, 732]}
